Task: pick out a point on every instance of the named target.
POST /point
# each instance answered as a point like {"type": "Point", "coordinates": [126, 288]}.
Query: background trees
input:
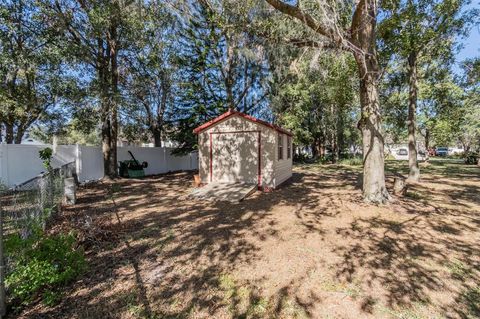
{"type": "Point", "coordinates": [221, 66]}
{"type": "Point", "coordinates": [90, 71]}
{"type": "Point", "coordinates": [318, 102]}
{"type": "Point", "coordinates": [32, 82]}
{"type": "Point", "coordinates": [420, 34]}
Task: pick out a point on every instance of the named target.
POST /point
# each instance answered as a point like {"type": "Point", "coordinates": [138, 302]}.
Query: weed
{"type": "Point", "coordinates": [471, 298]}
{"type": "Point", "coordinates": [457, 269]}
{"type": "Point", "coordinates": [414, 195]}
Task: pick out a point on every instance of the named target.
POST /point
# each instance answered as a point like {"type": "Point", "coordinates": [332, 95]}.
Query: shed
{"type": "Point", "coordinates": [238, 148]}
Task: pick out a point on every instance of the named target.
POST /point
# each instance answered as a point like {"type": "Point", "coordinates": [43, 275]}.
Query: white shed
{"type": "Point", "coordinates": [236, 147]}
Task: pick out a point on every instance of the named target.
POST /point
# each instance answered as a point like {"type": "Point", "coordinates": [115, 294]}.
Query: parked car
{"type": "Point", "coordinates": [401, 154]}
{"type": "Point", "coordinates": [441, 151]}
{"type": "Point", "coordinates": [455, 150]}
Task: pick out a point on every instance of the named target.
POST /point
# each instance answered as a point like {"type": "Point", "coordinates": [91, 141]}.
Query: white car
{"type": "Point", "coordinates": [401, 154]}
{"type": "Point", "coordinates": [455, 150]}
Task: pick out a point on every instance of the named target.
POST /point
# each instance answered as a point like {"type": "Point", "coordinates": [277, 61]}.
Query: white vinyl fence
{"type": "Point", "coordinates": [19, 163]}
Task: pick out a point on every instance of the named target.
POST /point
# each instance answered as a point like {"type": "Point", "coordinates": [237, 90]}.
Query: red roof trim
{"type": "Point", "coordinates": [245, 116]}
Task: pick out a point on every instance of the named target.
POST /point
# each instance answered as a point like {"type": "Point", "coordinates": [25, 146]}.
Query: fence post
{"type": "Point", "coordinates": [2, 270]}
{"type": "Point", "coordinates": [78, 162]}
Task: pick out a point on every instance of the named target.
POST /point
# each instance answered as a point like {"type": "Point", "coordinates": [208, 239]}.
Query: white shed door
{"type": "Point", "coordinates": [235, 157]}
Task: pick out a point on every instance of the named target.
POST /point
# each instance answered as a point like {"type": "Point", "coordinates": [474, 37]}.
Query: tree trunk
{"type": "Point", "coordinates": [314, 149]}
{"type": "Point", "coordinates": [321, 147]}
{"type": "Point", "coordinates": [427, 144]}
{"type": "Point", "coordinates": [374, 189]}
{"type": "Point", "coordinates": [333, 135]}
{"type": "Point", "coordinates": [20, 134]}
{"type": "Point", "coordinates": [363, 35]}
{"type": "Point", "coordinates": [114, 103]}
{"type": "Point", "coordinates": [414, 173]}
{"type": "Point", "coordinates": [157, 136]}
{"type": "Point", "coordinates": [9, 136]}
{"type": "Point", "coordinates": [106, 137]}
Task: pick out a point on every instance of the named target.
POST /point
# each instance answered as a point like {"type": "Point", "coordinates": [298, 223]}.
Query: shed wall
{"type": "Point", "coordinates": [235, 124]}
{"type": "Point", "coordinates": [283, 167]}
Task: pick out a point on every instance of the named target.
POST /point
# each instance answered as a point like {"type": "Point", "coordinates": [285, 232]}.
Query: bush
{"type": "Point", "coordinates": [354, 161]}
{"type": "Point", "coordinates": [40, 264]}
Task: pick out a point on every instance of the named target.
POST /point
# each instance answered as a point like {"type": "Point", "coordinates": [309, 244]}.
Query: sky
{"type": "Point", "coordinates": [471, 44]}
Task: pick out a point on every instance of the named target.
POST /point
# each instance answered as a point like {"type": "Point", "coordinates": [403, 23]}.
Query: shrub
{"type": "Point", "coordinates": [40, 264]}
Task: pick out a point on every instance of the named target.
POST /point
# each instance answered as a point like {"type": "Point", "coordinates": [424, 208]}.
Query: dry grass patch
{"type": "Point", "coordinates": [311, 249]}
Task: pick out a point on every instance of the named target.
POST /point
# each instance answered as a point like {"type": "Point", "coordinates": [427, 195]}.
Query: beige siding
{"type": "Point", "coordinates": [283, 167]}
{"type": "Point", "coordinates": [248, 152]}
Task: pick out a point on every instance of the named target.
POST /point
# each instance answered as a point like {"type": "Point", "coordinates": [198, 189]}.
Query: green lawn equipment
{"type": "Point", "coordinates": [471, 158]}
{"type": "Point", "coordinates": [132, 168]}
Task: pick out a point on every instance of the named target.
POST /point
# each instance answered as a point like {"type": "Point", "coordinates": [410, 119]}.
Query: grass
{"type": "Point", "coordinates": [472, 299]}
{"type": "Point", "coordinates": [458, 269]}
{"type": "Point", "coordinates": [352, 289]}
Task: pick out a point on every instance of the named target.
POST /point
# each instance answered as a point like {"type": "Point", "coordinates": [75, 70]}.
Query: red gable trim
{"type": "Point", "coordinates": [245, 116]}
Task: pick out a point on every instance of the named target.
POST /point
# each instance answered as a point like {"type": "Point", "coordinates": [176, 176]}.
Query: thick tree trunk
{"type": "Point", "coordinates": [414, 170]}
{"type": "Point", "coordinates": [114, 105]}
{"type": "Point", "coordinates": [157, 137]}
{"type": "Point", "coordinates": [106, 138]}
{"type": "Point", "coordinates": [374, 189]}
{"type": "Point", "coordinates": [19, 135]}
{"type": "Point", "coordinates": [363, 36]}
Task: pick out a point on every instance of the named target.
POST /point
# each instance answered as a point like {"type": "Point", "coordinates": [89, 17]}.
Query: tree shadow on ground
{"type": "Point", "coordinates": [170, 257]}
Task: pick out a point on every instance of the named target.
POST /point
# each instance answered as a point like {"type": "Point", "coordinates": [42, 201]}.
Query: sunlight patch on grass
{"type": "Point", "coordinates": [291, 309]}
{"type": "Point", "coordinates": [352, 289]}
{"type": "Point", "coordinates": [458, 269]}
{"type": "Point", "coordinates": [242, 301]}
{"type": "Point", "coordinates": [416, 311]}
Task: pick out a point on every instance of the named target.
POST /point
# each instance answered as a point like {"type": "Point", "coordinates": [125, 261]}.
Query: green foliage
{"type": "Point", "coordinates": [41, 264]}
{"type": "Point", "coordinates": [34, 81]}
{"type": "Point", "coordinates": [219, 68]}
{"type": "Point", "coordinates": [46, 156]}
{"type": "Point", "coordinates": [317, 101]}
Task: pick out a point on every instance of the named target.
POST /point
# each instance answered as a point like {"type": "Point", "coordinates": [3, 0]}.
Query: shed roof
{"type": "Point", "coordinates": [231, 113]}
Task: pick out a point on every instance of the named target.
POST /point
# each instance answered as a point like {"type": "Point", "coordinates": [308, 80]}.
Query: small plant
{"type": "Point", "coordinates": [458, 269]}
{"type": "Point", "coordinates": [41, 264]}
{"type": "Point", "coordinates": [46, 156]}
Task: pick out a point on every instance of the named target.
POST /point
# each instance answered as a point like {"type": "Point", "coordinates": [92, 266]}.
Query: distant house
{"type": "Point", "coordinates": [236, 147]}
{"type": "Point", "coordinates": [28, 140]}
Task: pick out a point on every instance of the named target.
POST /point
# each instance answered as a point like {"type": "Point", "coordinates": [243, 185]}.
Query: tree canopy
{"type": "Point", "coordinates": [344, 77]}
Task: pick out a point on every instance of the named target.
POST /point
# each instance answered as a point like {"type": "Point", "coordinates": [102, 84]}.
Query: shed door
{"type": "Point", "coordinates": [235, 157]}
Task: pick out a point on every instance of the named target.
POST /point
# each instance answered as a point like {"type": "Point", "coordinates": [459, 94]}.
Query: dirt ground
{"type": "Point", "coordinates": [311, 249]}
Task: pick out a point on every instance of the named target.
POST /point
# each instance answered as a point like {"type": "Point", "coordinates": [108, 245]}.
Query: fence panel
{"type": "Point", "coordinates": [32, 203]}
{"type": "Point", "coordinates": [19, 163]}
{"type": "Point", "coordinates": [89, 163]}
